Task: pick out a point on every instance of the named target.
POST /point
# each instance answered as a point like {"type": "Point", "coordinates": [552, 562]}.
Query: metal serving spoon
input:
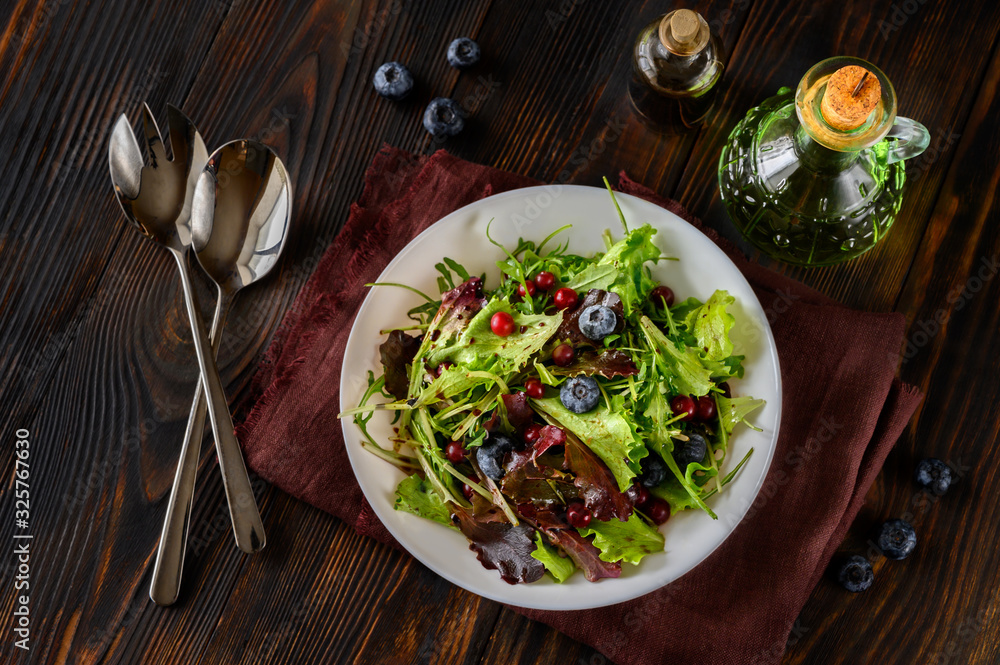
{"type": "Point", "coordinates": [239, 222]}
{"type": "Point", "coordinates": [156, 196]}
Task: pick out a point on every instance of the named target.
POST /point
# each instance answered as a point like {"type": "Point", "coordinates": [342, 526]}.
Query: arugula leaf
{"type": "Point", "coordinates": [415, 495]}
{"type": "Point", "coordinates": [686, 372]}
{"type": "Point", "coordinates": [710, 324]}
{"type": "Point", "coordinates": [734, 410]}
{"type": "Point", "coordinates": [605, 432]}
{"type": "Point", "coordinates": [624, 541]}
{"type": "Point", "coordinates": [559, 567]}
{"type": "Point", "coordinates": [594, 276]}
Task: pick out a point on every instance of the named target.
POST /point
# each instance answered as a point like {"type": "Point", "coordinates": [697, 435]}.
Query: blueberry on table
{"type": "Point", "coordinates": [490, 455]}
{"type": "Point", "coordinates": [691, 451]}
{"type": "Point", "coordinates": [654, 471]}
{"type": "Point", "coordinates": [597, 322]}
{"type": "Point", "coordinates": [463, 52]}
{"type": "Point", "coordinates": [855, 574]}
{"type": "Point", "coordinates": [580, 394]}
{"type": "Point", "coordinates": [444, 117]}
{"type": "Point", "coordinates": [897, 539]}
{"type": "Point", "coordinates": [934, 474]}
{"type": "Point", "coordinates": [393, 81]}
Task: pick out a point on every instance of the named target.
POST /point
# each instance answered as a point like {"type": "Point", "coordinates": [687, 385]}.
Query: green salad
{"type": "Point", "coordinates": [558, 419]}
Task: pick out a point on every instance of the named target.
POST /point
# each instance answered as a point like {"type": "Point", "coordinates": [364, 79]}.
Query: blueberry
{"type": "Point", "coordinates": [692, 450]}
{"type": "Point", "coordinates": [897, 539]}
{"type": "Point", "coordinates": [580, 394]}
{"type": "Point", "coordinates": [393, 81]}
{"type": "Point", "coordinates": [855, 574]}
{"type": "Point", "coordinates": [654, 471]}
{"type": "Point", "coordinates": [444, 117]}
{"type": "Point", "coordinates": [463, 52]}
{"type": "Point", "coordinates": [935, 475]}
{"type": "Point", "coordinates": [490, 455]}
{"type": "Point", "coordinates": [597, 322]}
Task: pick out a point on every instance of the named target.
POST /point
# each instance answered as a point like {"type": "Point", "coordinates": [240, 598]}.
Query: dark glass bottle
{"type": "Point", "coordinates": [676, 63]}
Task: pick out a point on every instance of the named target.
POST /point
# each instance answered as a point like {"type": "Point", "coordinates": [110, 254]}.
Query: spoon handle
{"type": "Point", "coordinates": [247, 526]}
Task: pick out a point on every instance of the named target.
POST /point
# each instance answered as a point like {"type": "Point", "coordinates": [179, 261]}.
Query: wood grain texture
{"type": "Point", "coordinates": [95, 353]}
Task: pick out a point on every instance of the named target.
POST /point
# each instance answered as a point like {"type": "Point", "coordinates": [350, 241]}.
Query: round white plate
{"type": "Point", "coordinates": [533, 213]}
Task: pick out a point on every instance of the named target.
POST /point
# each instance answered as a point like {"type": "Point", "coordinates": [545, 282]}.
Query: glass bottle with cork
{"type": "Point", "coordinates": [817, 177]}
{"type": "Point", "coordinates": [676, 62]}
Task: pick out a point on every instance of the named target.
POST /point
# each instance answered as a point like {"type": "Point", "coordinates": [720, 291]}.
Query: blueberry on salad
{"type": "Point", "coordinates": [393, 81]}
{"type": "Point", "coordinates": [542, 483]}
{"type": "Point", "coordinates": [691, 451]}
{"type": "Point", "coordinates": [444, 117]}
{"type": "Point", "coordinates": [934, 474]}
{"type": "Point", "coordinates": [897, 539]}
{"type": "Point", "coordinates": [463, 53]}
{"type": "Point", "coordinates": [490, 455]}
{"type": "Point", "coordinates": [855, 574]}
{"type": "Point", "coordinates": [580, 394]}
{"type": "Point", "coordinates": [597, 322]}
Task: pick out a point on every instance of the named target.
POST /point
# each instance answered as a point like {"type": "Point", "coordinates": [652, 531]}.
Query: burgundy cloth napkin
{"type": "Point", "coordinates": [843, 410]}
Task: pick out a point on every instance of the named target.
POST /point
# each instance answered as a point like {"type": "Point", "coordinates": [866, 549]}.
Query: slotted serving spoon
{"type": "Point", "coordinates": [156, 195]}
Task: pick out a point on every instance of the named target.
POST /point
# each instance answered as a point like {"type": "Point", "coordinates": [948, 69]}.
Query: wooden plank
{"type": "Point", "coordinates": [939, 605]}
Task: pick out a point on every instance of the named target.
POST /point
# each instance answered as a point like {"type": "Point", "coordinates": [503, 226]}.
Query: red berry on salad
{"type": "Point", "coordinates": [467, 491]}
{"type": "Point", "coordinates": [662, 294]}
{"type": "Point", "coordinates": [639, 495]}
{"type": "Point", "coordinates": [684, 404]}
{"type": "Point", "coordinates": [706, 407]}
{"type": "Point", "coordinates": [726, 391]}
{"type": "Point", "coordinates": [545, 280]}
{"type": "Point", "coordinates": [565, 298]}
{"type": "Point", "coordinates": [530, 290]}
{"type": "Point", "coordinates": [532, 433]}
{"type": "Point", "coordinates": [563, 355]}
{"type": "Point", "coordinates": [502, 324]}
{"type": "Point", "coordinates": [578, 515]}
{"type": "Point", "coordinates": [658, 510]}
{"type": "Point", "coordinates": [454, 451]}
{"type": "Point", "coordinates": [534, 388]}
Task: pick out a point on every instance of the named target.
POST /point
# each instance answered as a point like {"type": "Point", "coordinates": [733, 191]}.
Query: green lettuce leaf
{"type": "Point", "coordinates": [560, 567]}
{"type": "Point", "coordinates": [416, 496]}
{"type": "Point", "coordinates": [683, 368]}
{"type": "Point", "coordinates": [734, 410]}
{"type": "Point", "coordinates": [628, 256]}
{"type": "Point", "coordinates": [594, 276]}
{"type": "Point", "coordinates": [624, 541]}
{"type": "Point", "coordinates": [608, 433]}
{"type": "Point", "coordinates": [710, 324]}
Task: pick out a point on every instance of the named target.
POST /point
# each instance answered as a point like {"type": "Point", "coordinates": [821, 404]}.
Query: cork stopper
{"type": "Point", "coordinates": [684, 32]}
{"type": "Point", "coordinates": [852, 93]}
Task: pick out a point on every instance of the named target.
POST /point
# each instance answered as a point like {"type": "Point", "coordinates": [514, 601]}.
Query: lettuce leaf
{"type": "Point", "coordinates": [624, 541]}
{"type": "Point", "coordinates": [683, 368]}
{"type": "Point", "coordinates": [734, 410]}
{"type": "Point", "coordinates": [416, 496]}
{"type": "Point", "coordinates": [594, 276]}
{"type": "Point", "coordinates": [559, 567]}
{"type": "Point", "coordinates": [628, 256]}
{"type": "Point", "coordinates": [710, 324]}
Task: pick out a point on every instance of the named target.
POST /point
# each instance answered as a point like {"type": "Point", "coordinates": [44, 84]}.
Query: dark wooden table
{"type": "Point", "coordinates": [96, 360]}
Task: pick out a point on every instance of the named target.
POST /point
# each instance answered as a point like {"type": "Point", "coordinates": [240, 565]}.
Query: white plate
{"type": "Point", "coordinates": [533, 213]}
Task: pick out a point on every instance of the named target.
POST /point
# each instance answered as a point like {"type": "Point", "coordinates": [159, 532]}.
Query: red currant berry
{"type": "Point", "coordinates": [563, 355]}
{"type": "Point", "coordinates": [565, 298]}
{"type": "Point", "coordinates": [502, 324]}
{"type": "Point", "coordinates": [545, 280]}
{"type": "Point", "coordinates": [534, 388]}
{"type": "Point", "coordinates": [532, 433]}
{"type": "Point", "coordinates": [455, 452]}
{"type": "Point", "coordinates": [662, 294]}
{"type": "Point", "coordinates": [684, 404]}
{"type": "Point", "coordinates": [467, 491]}
{"type": "Point", "coordinates": [658, 510]}
{"type": "Point", "coordinates": [521, 291]}
{"type": "Point", "coordinates": [706, 407]}
{"type": "Point", "coordinates": [639, 495]}
{"type": "Point", "coordinates": [578, 515]}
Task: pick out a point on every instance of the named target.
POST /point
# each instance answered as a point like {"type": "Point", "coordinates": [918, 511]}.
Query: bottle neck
{"type": "Point", "coordinates": [817, 157]}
